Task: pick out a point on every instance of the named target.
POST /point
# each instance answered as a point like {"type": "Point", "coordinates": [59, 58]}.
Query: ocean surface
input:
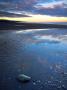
{"type": "Point", "coordinates": [39, 53]}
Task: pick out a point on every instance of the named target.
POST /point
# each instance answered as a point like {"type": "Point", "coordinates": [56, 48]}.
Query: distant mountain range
{"type": "Point", "coordinates": [16, 25]}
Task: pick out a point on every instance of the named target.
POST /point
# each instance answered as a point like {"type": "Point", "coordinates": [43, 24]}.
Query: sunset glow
{"type": "Point", "coordinates": [34, 10]}
{"type": "Point", "coordinates": [37, 18]}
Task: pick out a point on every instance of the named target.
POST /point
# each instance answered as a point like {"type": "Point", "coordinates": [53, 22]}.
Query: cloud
{"type": "Point", "coordinates": [12, 14]}
{"type": "Point", "coordinates": [55, 8]}
{"type": "Point", "coordinates": [51, 5]}
{"type": "Point", "coordinates": [18, 5]}
{"type": "Point", "coordinates": [44, 7]}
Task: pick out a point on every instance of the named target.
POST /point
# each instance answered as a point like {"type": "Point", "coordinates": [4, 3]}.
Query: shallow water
{"type": "Point", "coordinates": [40, 54]}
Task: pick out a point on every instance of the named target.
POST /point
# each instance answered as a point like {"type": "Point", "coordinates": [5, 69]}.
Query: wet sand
{"type": "Point", "coordinates": [38, 53]}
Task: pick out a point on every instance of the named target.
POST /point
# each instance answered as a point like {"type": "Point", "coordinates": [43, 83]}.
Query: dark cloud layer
{"type": "Point", "coordinates": [46, 7]}
{"type": "Point", "coordinates": [8, 14]}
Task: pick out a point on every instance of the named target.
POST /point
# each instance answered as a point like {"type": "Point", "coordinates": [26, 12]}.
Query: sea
{"type": "Point", "coordinates": [38, 53]}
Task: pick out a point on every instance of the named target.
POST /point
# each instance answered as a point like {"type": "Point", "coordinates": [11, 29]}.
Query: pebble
{"type": "Point", "coordinates": [38, 81]}
{"type": "Point", "coordinates": [34, 83]}
{"type": "Point", "coordinates": [23, 78]}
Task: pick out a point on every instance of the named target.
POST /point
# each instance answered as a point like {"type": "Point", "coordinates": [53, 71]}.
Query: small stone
{"type": "Point", "coordinates": [63, 86]}
{"type": "Point", "coordinates": [60, 81]}
{"type": "Point", "coordinates": [23, 78]}
{"type": "Point", "coordinates": [49, 81]}
{"type": "Point", "coordinates": [34, 83]}
{"type": "Point", "coordinates": [38, 81]}
{"type": "Point", "coordinates": [59, 87]}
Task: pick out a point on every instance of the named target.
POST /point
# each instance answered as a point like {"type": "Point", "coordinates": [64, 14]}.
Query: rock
{"type": "Point", "coordinates": [23, 78]}
{"type": "Point", "coordinates": [34, 83]}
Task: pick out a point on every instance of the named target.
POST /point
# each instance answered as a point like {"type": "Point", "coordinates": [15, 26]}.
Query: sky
{"type": "Point", "coordinates": [34, 10]}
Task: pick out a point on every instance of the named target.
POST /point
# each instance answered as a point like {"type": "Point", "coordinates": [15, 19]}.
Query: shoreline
{"type": "Point", "coordinates": [15, 25]}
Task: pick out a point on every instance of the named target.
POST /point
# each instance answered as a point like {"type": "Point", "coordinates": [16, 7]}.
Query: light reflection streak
{"type": "Point", "coordinates": [29, 31]}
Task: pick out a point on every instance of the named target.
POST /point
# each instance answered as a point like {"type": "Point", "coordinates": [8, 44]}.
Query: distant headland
{"type": "Point", "coordinates": [16, 25]}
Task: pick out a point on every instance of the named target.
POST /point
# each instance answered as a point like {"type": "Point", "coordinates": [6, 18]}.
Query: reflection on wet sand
{"type": "Point", "coordinates": [41, 54]}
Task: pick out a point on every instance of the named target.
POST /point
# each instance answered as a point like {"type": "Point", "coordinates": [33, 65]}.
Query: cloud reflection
{"type": "Point", "coordinates": [34, 36]}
